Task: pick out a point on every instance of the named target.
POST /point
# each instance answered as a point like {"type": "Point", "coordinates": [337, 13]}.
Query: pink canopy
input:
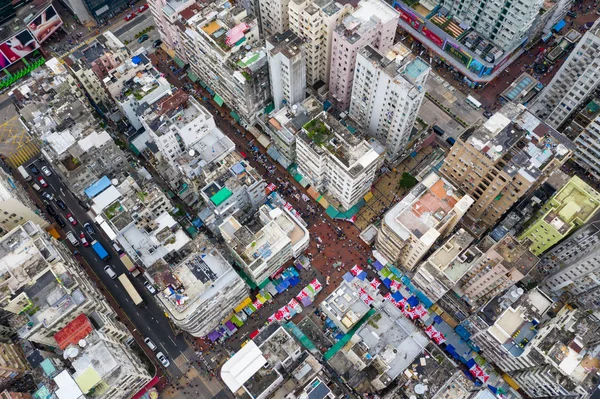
{"type": "Point", "coordinates": [278, 315]}
{"type": "Point", "coordinates": [356, 270]}
{"type": "Point", "coordinates": [301, 294]}
{"type": "Point", "coordinates": [257, 304]}
{"type": "Point", "coordinates": [478, 372]}
{"type": "Point", "coordinates": [395, 285]}
{"type": "Point", "coordinates": [375, 283]}
{"type": "Point", "coordinates": [294, 305]}
{"type": "Point", "coordinates": [235, 34]}
{"type": "Point", "coordinates": [435, 335]}
{"type": "Point", "coordinates": [316, 285]}
{"type": "Point", "coordinates": [271, 318]}
{"type": "Point", "coordinates": [366, 298]}
{"type": "Point", "coordinates": [271, 187]}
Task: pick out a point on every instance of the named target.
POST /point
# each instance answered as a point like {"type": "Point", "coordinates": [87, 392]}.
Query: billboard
{"type": "Point", "coordinates": [19, 46]}
{"type": "Point", "coordinates": [438, 41]}
{"type": "Point", "coordinates": [408, 16]}
{"type": "Point", "coordinates": [45, 24]}
{"type": "Point", "coordinates": [455, 51]}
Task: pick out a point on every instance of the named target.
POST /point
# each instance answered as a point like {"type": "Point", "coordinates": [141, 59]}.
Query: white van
{"type": "Point", "coordinates": [36, 187]}
{"type": "Point", "coordinates": [71, 237]}
{"type": "Point", "coordinates": [111, 273]}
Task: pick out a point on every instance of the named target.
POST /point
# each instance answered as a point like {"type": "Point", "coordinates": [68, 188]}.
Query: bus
{"type": "Point", "coordinates": [24, 173]}
{"type": "Point", "coordinates": [472, 102]}
{"type": "Point", "coordinates": [135, 296]}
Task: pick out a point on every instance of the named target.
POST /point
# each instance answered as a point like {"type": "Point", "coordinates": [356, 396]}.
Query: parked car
{"type": "Point", "coordinates": [50, 210]}
{"type": "Point", "coordinates": [130, 16]}
{"type": "Point", "coordinates": [438, 130]}
{"type": "Point", "coordinates": [42, 181]}
{"type": "Point", "coordinates": [487, 114]}
{"type": "Point", "coordinates": [110, 271]}
{"type": "Point", "coordinates": [451, 141]}
{"type": "Point", "coordinates": [143, 8]}
{"type": "Point", "coordinates": [34, 169]}
{"type": "Point", "coordinates": [150, 344]}
{"type": "Point", "coordinates": [157, 43]}
{"type": "Point", "coordinates": [149, 287]}
{"type": "Point", "coordinates": [36, 187]}
{"type": "Point", "coordinates": [60, 221]}
{"type": "Point", "coordinates": [83, 205]}
{"type": "Point", "coordinates": [48, 196]}
{"type": "Point", "coordinates": [89, 229]}
{"type": "Point", "coordinates": [163, 359]}
{"type": "Point", "coordinates": [71, 219]}
{"type": "Point", "coordinates": [72, 239]}
{"type": "Point", "coordinates": [61, 204]}
{"type": "Point", "coordinates": [83, 240]}
{"type": "Point", "coordinates": [143, 38]}
{"type": "Point", "coordinates": [46, 170]}
{"type": "Point", "coordinates": [117, 248]}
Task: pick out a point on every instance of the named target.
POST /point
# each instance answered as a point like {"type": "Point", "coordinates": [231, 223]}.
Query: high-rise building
{"type": "Point", "coordinates": [573, 84]}
{"type": "Point", "coordinates": [388, 89]}
{"type": "Point", "coordinates": [567, 210]}
{"type": "Point", "coordinates": [314, 22]}
{"type": "Point", "coordinates": [165, 14]}
{"type": "Point", "coordinates": [574, 266]}
{"type": "Point", "coordinates": [372, 23]}
{"type": "Point", "coordinates": [274, 16]}
{"type": "Point", "coordinates": [212, 289]}
{"type": "Point", "coordinates": [45, 287]}
{"type": "Point", "coordinates": [13, 363]}
{"type": "Point", "coordinates": [428, 212]}
{"type": "Point", "coordinates": [224, 50]}
{"type": "Point", "coordinates": [16, 208]}
{"type": "Point", "coordinates": [333, 159]}
{"type": "Point", "coordinates": [503, 264]}
{"type": "Point", "coordinates": [588, 146]}
{"type": "Point", "coordinates": [287, 68]}
{"type": "Point", "coordinates": [498, 162]}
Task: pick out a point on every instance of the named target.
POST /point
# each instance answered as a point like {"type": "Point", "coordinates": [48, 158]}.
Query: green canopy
{"type": "Point", "coordinates": [218, 100]}
{"type": "Point", "coordinates": [221, 196]}
{"type": "Point", "coordinates": [179, 62]}
{"type": "Point", "coordinates": [193, 77]}
{"type": "Point", "coordinates": [235, 116]}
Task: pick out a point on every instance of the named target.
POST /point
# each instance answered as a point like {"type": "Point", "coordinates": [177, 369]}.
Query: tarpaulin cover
{"type": "Point", "coordinates": [397, 296]}
{"type": "Point", "coordinates": [464, 334]}
{"type": "Point", "coordinates": [230, 325]}
{"type": "Point", "coordinates": [356, 270]}
{"type": "Point", "coordinates": [413, 301]}
{"type": "Point", "coordinates": [437, 319]}
{"type": "Point", "coordinates": [375, 283]}
{"type": "Point", "coordinates": [362, 276]}
{"type": "Point", "coordinates": [387, 282]}
{"type": "Point", "coordinates": [306, 301]}
{"type": "Point", "coordinates": [377, 265]}
{"type": "Point", "coordinates": [214, 335]}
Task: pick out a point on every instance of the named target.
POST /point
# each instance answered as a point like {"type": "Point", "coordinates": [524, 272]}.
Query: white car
{"type": "Point", "coordinates": [163, 359]}
{"type": "Point", "coordinates": [150, 344]}
{"type": "Point", "coordinates": [46, 171]}
{"type": "Point", "coordinates": [149, 287]}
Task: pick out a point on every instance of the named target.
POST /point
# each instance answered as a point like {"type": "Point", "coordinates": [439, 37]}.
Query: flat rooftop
{"type": "Point", "coordinates": [345, 305]}
{"type": "Point", "coordinates": [515, 255]}
{"type": "Point", "coordinates": [286, 43]}
{"type": "Point", "coordinates": [443, 257]}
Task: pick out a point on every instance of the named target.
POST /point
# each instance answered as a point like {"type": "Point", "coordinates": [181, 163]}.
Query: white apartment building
{"type": "Point", "coordinates": [334, 160]}
{"type": "Point", "coordinates": [428, 212]}
{"type": "Point", "coordinates": [442, 269]}
{"type": "Point", "coordinates": [287, 68]}
{"type": "Point", "coordinates": [374, 23]}
{"type": "Point", "coordinates": [273, 16]}
{"type": "Point", "coordinates": [292, 226]}
{"type": "Point", "coordinates": [575, 81]}
{"type": "Point", "coordinates": [210, 289]}
{"type": "Point", "coordinates": [588, 148]}
{"type": "Point", "coordinates": [259, 252]}
{"type": "Point", "coordinates": [504, 23]}
{"type": "Point", "coordinates": [574, 266]}
{"type": "Point", "coordinates": [16, 208]}
{"type": "Point", "coordinates": [165, 14]}
{"type": "Point", "coordinates": [314, 22]}
{"type": "Point", "coordinates": [387, 92]}
{"type": "Point", "coordinates": [224, 50]}
{"type": "Point", "coordinates": [45, 287]}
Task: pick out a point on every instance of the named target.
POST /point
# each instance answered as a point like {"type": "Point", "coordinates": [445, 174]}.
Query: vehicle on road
{"type": "Point", "coordinates": [60, 221]}
{"type": "Point", "coordinates": [83, 205]}
{"type": "Point", "coordinates": [438, 130]}
{"type": "Point", "coordinates": [48, 196]}
{"type": "Point", "coordinates": [163, 359]}
{"type": "Point", "coordinates": [451, 141]}
{"type": "Point", "coordinates": [133, 294]}
{"type": "Point", "coordinates": [50, 210]}
{"type": "Point", "coordinates": [84, 240]}
{"type": "Point", "coordinates": [130, 16]}
{"type": "Point", "coordinates": [150, 344]}
{"type": "Point", "coordinates": [46, 171]}
{"type": "Point", "coordinates": [117, 248]}
{"type": "Point", "coordinates": [24, 173]}
{"type": "Point", "coordinates": [72, 239]}
{"type": "Point", "coordinates": [36, 187]}
{"type": "Point", "coordinates": [150, 287]}
{"type": "Point", "coordinates": [143, 8]}
{"type": "Point", "coordinates": [110, 271]}
{"type": "Point", "coordinates": [89, 229]}
{"type": "Point", "coordinates": [143, 38]}
{"type": "Point", "coordinates": [61, 204]}
{"type": "Point", "coordinates": [42, 181]}
{"type": "Point", "coordinates": [473, 102]}
{"type": "Point", "coordinates": [129, 265]}
{"type": "Point", "coordinates": [34, 169]}
{"type": "Point", "coordinates": [487, 114]}
{"type": "Point", "coordinates": [157, 43]}
{"type": "Point", "coordinates": [71, 219]}
{"type": "Point", "coordinates": [100, 251]}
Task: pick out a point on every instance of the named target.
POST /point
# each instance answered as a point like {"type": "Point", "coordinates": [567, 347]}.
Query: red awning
{"type": "Point", "coordinates": [254, 334]}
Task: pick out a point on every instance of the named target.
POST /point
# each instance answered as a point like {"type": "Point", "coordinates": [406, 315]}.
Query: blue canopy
{"type": "Point", "coordinates": [136, 60]}
{"type": "Point", "coordinates": [464, 334]}
{"type": "Point", "coordinates": [397, 296]}
{"type": "Point", "coordinates": [470, 363]}
{"type": "Point", "coordinates": [97, 187]}
{"type": "Point", "coordinates": [348, 277]}
{"type": "Point", "coordinates": [362, 276]}
{"type": "Point", "coordinates": [387, 282]}
{"type": "Point", "coordinates": [559, 25]}
{"type": "Point", "coordinates": [413, 301]}
{"type": "Point", "coordinates": [437, 319]}
{"type": "Point", "coordinates": [378, 265]}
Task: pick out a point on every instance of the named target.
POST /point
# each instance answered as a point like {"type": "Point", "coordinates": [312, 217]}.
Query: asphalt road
{"type": "Point", "coordinates": [149, 319]}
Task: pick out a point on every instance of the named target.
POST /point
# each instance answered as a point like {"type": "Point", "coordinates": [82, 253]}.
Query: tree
{"type": "Point", "coordinates": [407, 181]}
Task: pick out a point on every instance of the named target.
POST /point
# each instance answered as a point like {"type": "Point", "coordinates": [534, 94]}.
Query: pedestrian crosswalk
{"type": "Point", "coordinates": [22, 154]}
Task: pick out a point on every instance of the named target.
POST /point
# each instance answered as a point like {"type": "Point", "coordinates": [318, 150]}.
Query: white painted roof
{"type": "Point", "coordinates": [67, 387]}
{"type": "Point", "coordinates": [242, 366]}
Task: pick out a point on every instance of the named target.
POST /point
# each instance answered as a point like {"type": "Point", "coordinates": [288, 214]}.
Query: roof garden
{"type": "Point", "coordinates": [318, 131]}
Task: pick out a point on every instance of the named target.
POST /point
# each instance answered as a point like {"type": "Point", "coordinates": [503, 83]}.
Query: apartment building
{"type": "Point", "coordinates": [165, 14]}
{"type": "Point", "coordinates": [573, 84]}
{"type": "Point", "coordinates": [91, 65]}
{"type": "Point", "coordinates": [314, 22]}
{"type": "Point", "coordinates": [373, 23]}
{"type": "Point", "coordinates": [260, 250]}
{"type": "Point", "coordinates": [387, 92]}
{"type": "Point", "coordinates": [428, 212]}
{"type": "Point", "coordinates": [101, 366]}
{"type": "Point", "coordinates": [16, 206]}
{"type": "Point", "coordinates": [224, 50]}
{"type": "Point", "coordinates": [202, 289]}
{"type": "Point", "coordinates": [500, 161]}
{"type": "Point", "coordinates": [570, 208]}
{"type": "Point", "coordinates": [274, 16]}
{"type": "Point", "coordinates": [13, 363]}
{"type": "Point", "coordinates": [45, 287]}
{"type": "Point", "coordinates": [503, 264]}
{"type": "Point", "coordinates": [586, 154]}
{"type": "Point", "coordinates": [287, 68]}
{"type": "Point", "coordinates": [334, 160]}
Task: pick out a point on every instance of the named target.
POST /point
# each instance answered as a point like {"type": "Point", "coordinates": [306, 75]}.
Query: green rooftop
{"type": "Point", "coordinates": [221, 196]}
{"type": "Point", "coordinates": [317, 131]}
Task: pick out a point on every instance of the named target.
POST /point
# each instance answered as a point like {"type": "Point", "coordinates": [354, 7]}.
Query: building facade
{"type": "Point", "coordinates": [372, 23]}
{"type": "Point", "coordinates": [16, 208]}
{"type": "Point", "coordinates": [588, 148]}
{"type": "Point", "coordinates": [274, 16]}
{"type": "Point", "coordinates": [166, 13]}
{"type": "Point", "coordinates": [388, 90]}
{"type": "Point", "coordinates": [287, 68]}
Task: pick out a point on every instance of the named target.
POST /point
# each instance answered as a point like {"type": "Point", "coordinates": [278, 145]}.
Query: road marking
{"type": "Point", "coordinates": [174, 343]}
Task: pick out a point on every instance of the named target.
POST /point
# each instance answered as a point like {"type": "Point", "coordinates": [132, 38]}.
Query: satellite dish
{"type": "Point", "coordinates": [192, 153]}
{"type": "Point", "coordinates": [450, 192]}
{"type": "Point", "coordinates": [70, 352]}
{"type": "Point", "coordinates": [420, 389]}
{"type": "Point", "coordinates": [82, 343]}
{"type": "Point", "coordinates": [114, 182]}
{"type": "Point", "coordinates": [498, 148]}
{"type": "Point", "coordinates": [520, 291]}
{"type": "Point", "coordinates": [248, 47]}
{"type": "Point", "coordinates": [515, 293]}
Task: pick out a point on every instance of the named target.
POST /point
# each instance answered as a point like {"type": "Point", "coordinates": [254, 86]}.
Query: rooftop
{"type": "Point", "coordinates": [444, 257]}
{"type": "Point", "coordinates": [344, 305]}
{"type": "Point", "coordinates": [397, 62]}
{"type": "Point", "coordinates": [368, 13]}
{"type": "Point", "coordinates": [286, 43]}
